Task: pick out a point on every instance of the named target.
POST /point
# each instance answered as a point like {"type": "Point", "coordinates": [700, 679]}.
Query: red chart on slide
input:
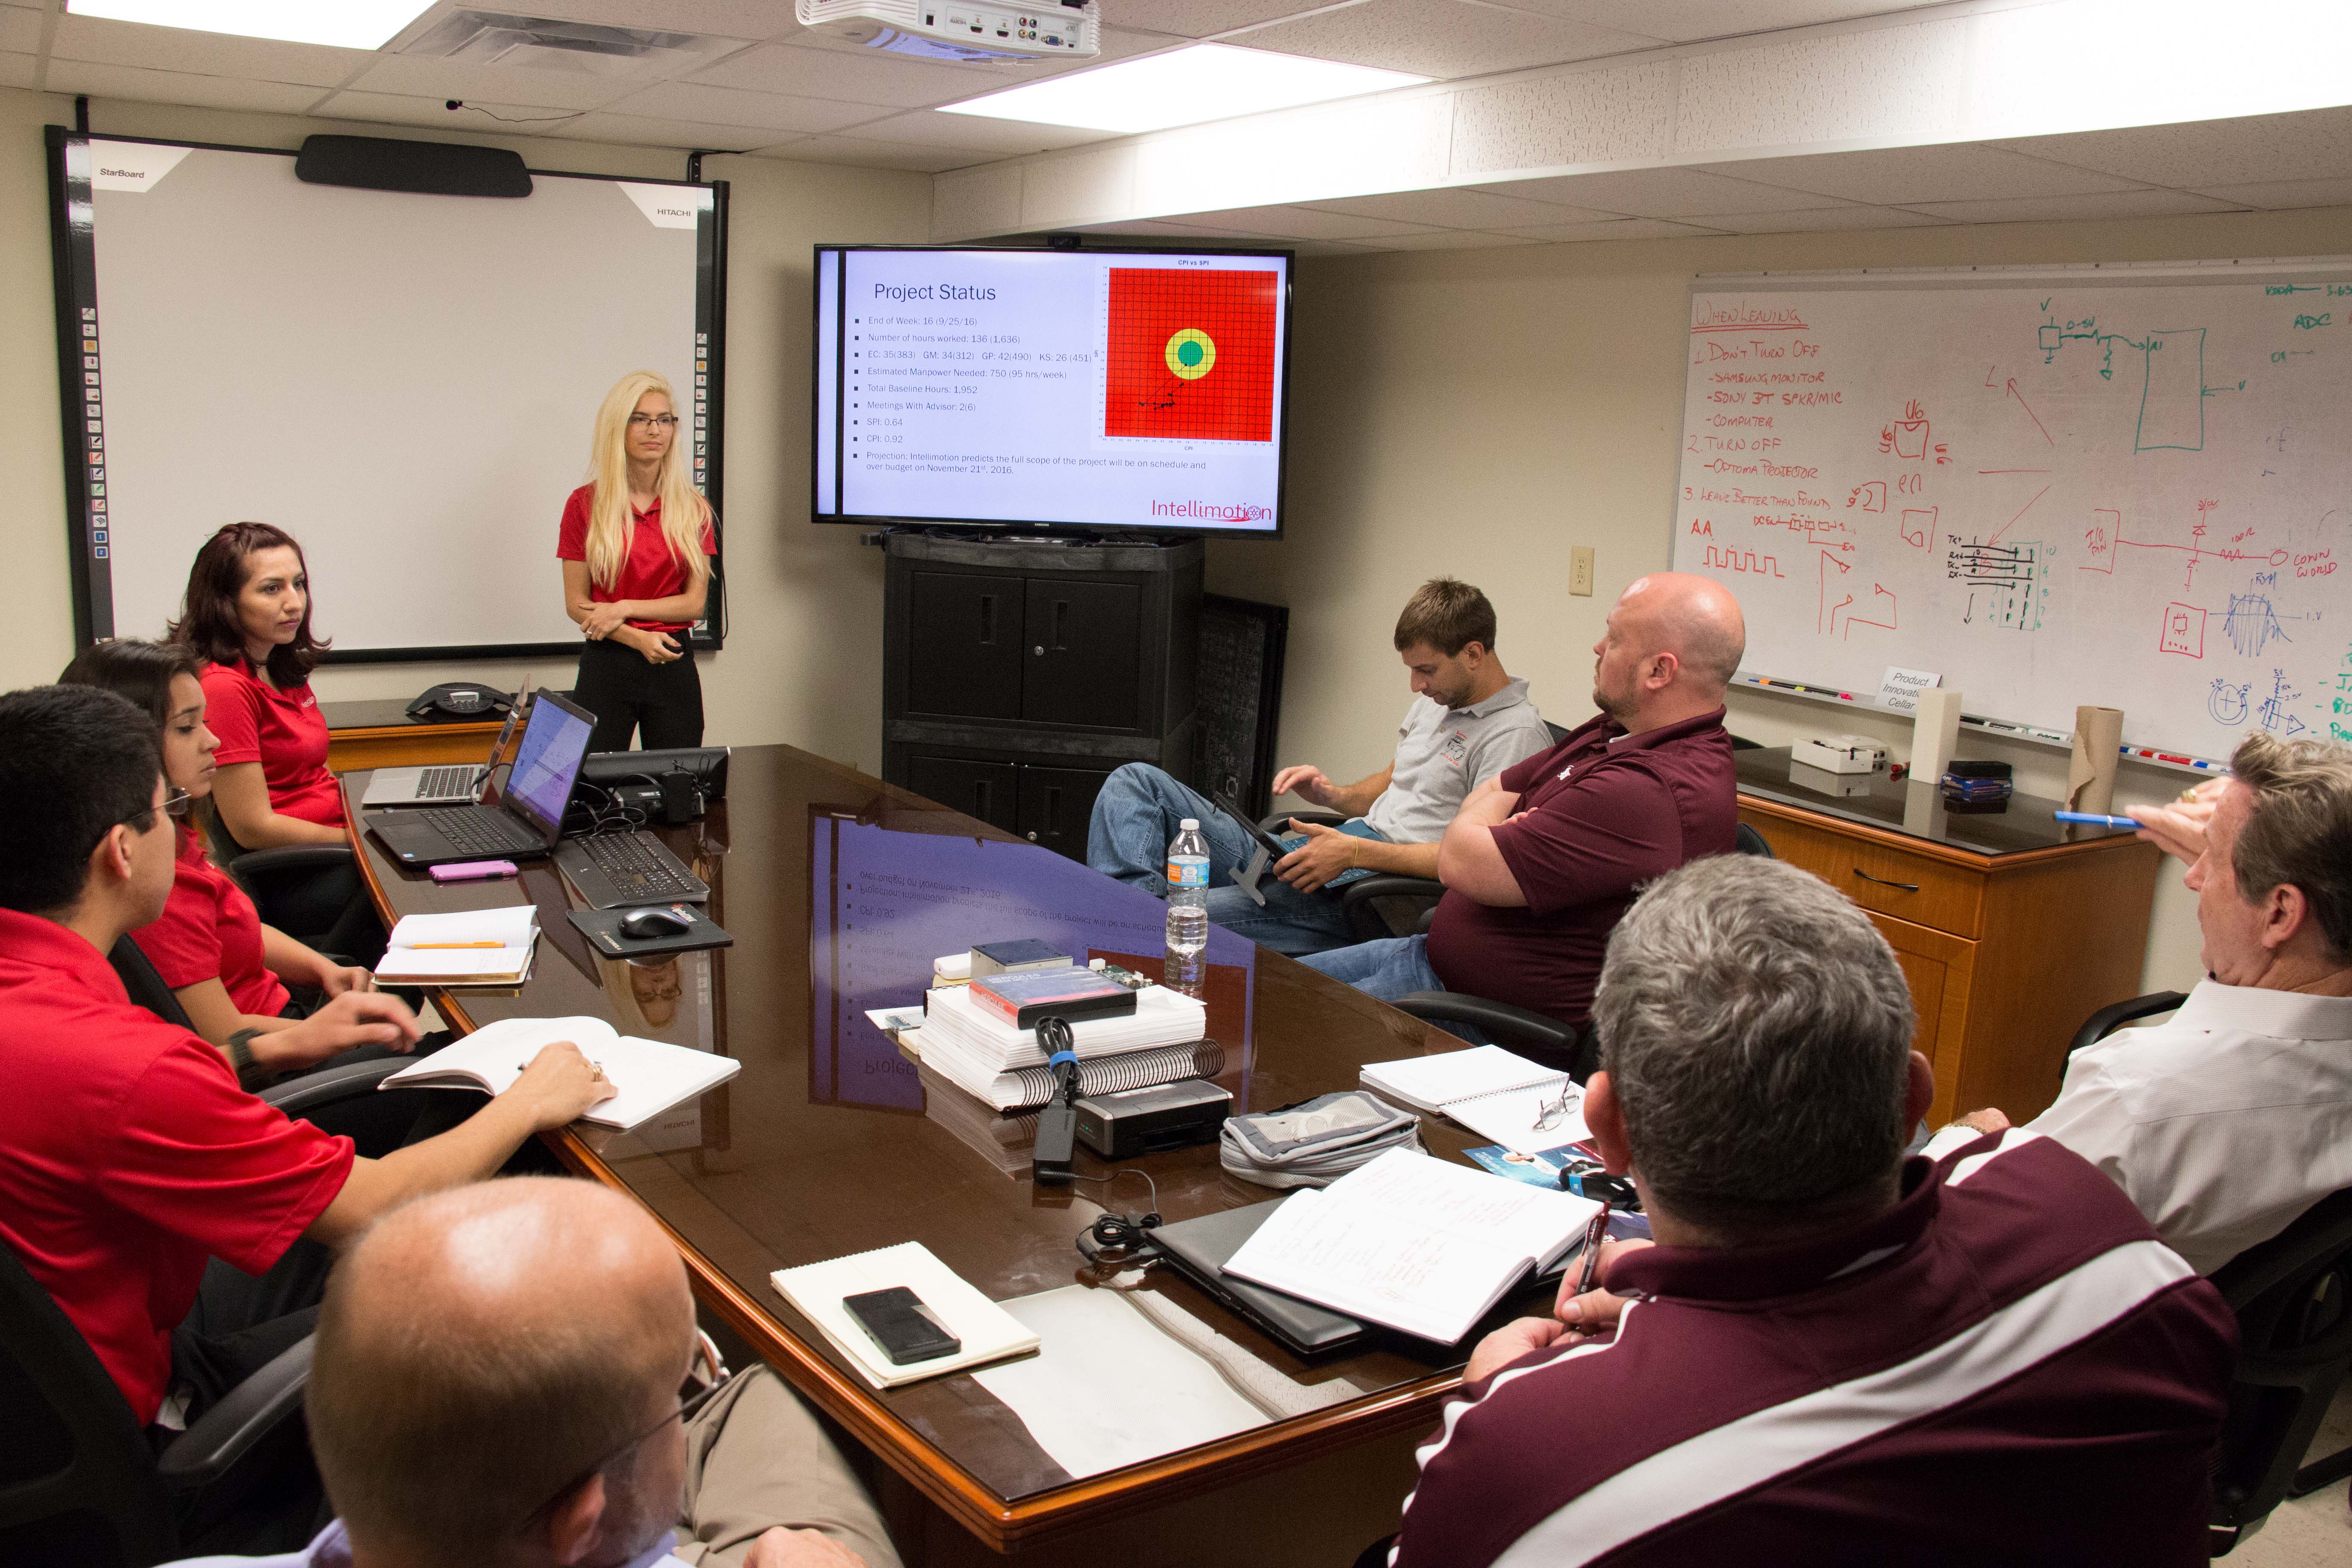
{"type": "Point", "coordinates": [1190, 355]}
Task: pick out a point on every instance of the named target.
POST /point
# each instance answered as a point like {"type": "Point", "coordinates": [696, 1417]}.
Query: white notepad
{"type": "Point", "coordinates": [463, 947]}
{"type": "Point", "coordinates": [989, 1332]}
{"type": "Point", "coordinates": [648, 1076]}
{"type": "Point", "coordinates": [1492, 1092]}
{"type": "Point", "coordinates": [1413, 1242]}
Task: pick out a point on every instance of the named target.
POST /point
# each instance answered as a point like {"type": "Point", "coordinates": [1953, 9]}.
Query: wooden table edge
{"type": "Point", "coordinates": [1003, 1526]}
{"type": "Point", "coordinates": [1925, 848]}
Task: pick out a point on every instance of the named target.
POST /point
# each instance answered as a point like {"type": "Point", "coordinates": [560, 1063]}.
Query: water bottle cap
{"type": "Point", "coordinates": [1189, 825]}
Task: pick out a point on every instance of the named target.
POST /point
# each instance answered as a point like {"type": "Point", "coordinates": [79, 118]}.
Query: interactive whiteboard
{"type": "Point", "coordinates": [2128, 487]}
{"type": "Point", "coordinates": [405, 383]}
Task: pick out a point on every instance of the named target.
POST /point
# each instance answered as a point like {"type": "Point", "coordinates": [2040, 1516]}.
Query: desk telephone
{"type": "Point", "coordinates": [459, 699]}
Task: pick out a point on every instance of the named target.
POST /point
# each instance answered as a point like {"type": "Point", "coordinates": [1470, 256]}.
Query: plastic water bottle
{"type": "Point", "coordinates": [1187, 910]}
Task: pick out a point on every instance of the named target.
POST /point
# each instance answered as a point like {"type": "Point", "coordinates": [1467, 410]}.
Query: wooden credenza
{"type": "Point", "coordinates": [379, 733]}
{"type": "Point", "coordinates": [2010, 931]}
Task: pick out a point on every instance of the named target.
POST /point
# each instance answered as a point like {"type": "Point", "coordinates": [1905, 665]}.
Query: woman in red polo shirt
{"type": "Point", "coordinates": [230, 972]}
{"type": "Point", "coordinates": [635, 542]}
{"type": "Point", "coordinates": [247, 612]}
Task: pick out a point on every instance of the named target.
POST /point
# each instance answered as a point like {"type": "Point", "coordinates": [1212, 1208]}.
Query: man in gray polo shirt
{"type": "Point", "coordinates": [1468, 722]}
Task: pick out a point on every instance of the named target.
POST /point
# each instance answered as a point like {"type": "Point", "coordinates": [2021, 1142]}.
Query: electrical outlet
{"type": "Point", "coordinates": [1579, 571]}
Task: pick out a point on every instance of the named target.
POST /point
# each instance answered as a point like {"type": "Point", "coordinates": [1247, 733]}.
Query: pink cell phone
{"type": "Point", "coordinates": [472, 871]}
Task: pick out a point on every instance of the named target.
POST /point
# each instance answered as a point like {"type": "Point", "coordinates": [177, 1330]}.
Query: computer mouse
{"type": "Point", "coordinates": [644, 925]}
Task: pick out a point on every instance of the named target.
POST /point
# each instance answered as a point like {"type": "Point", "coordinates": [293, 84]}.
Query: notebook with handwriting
{"type": "Point", "coordinates": [1413, 1242]}
{"type": "Point", "coordinates": [648, 1076]}
{"type": "Point", "coordinates": [1497, 1093]}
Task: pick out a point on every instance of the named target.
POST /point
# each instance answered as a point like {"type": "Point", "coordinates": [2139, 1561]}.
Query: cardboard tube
{"type": "Point", "coordinates": [2091, 772]}
{"type": "Point", "coordinates": [1934, 733]}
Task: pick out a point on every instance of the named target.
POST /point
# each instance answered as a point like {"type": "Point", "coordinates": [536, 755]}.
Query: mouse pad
{"type": "Point", "coordinates": [603, 929]}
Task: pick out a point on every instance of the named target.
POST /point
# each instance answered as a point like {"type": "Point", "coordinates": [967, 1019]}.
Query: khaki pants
{"type": "Point", "coordinates": [756, 1458]}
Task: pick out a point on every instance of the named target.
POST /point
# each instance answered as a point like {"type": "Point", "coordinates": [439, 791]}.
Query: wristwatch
{"type": "Point", "coordinates": [250, 1074]}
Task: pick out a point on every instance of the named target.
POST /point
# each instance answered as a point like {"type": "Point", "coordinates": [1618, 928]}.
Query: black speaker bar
{"type": "Point", "coordinates": [426, 168]}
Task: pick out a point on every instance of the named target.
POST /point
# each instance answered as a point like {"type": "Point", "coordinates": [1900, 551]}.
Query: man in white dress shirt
{"type": "Point", "coordinates": [2227, 1123]}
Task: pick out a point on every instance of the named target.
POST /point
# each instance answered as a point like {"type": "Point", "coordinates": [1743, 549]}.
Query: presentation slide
{"type": "Point", "coordinates": [1107, 389]}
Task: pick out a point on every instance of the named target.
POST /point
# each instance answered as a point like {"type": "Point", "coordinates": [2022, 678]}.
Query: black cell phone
{"type": "Point", "coordinates": [1274, 847]}
{"type": "Point", "coordinates": [898, 1320]}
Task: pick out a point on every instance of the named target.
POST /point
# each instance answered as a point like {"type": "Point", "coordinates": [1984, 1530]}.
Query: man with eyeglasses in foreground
{"type": "Point", "coordinates": [497, 1380]}
{"type": "Point", "coordinates": [183, 1225]}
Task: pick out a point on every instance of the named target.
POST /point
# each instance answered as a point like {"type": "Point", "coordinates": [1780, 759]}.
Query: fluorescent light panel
{"type": "Point", "coordinates": [346, 23]}
{"type": "Point", "coordinates": [1183, 86]}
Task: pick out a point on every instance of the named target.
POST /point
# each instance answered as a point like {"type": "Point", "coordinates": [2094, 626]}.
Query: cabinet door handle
{"type": "Point", "coordinates": [1061, 625]}
{"type": "Point", "coordinates": [1907, 886]}
{"type": "Point", "coordinates": [987, 619]}
{"type": "Point", "coordinates": [980, 798]}
{"type": "Point", "coordinates": [1053, 809]}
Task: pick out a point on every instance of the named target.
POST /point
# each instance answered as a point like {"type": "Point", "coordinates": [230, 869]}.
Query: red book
{"type": "Point", "coordinates": [1021, 999]}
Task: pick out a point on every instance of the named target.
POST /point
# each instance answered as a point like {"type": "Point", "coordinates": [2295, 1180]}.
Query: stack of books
{"type": "Point", "coordinates": [993, 1058]}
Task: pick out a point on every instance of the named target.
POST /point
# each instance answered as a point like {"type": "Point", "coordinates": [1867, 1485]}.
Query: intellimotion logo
{"type": "Point", "coordinates": [1226, 511]}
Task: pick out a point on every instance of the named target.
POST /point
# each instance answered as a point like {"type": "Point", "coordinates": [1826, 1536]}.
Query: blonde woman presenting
{"type": "Point", "coordinates": [636, 543]}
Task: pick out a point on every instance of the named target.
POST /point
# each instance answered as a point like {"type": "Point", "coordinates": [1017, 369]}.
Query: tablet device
{"type": "Point", "coordinates": [1275, 848]}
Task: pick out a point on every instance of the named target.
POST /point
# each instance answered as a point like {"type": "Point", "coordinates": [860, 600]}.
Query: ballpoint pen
{"type": "Point", "coordinates": [1594, 1234]}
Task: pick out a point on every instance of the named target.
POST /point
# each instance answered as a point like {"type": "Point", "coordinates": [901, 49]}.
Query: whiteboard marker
{"type": "Point", "coordinates": [2096, 819]}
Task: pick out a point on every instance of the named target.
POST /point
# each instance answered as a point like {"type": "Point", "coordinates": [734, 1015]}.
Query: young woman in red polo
{"type": "Point", "coordinates": [635, 542]}
{"type": "Point", "coordinates": [247, 614]}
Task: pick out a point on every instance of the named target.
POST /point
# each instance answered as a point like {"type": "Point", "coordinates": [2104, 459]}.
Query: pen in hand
{"type": "Point", "coordinates": [1595, 1234]}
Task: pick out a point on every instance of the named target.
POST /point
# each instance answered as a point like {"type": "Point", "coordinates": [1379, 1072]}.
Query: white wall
{"type": "Point", "coordinates": [1479, 412]}
{"type": "Point", "coordinates": [804, 656]}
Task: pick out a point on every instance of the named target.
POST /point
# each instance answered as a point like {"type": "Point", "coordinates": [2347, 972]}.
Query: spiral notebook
{"type": "Point", "coordinates": [1496, 1093]}
{"type": "Point", "coordinates": [1025, 1088]}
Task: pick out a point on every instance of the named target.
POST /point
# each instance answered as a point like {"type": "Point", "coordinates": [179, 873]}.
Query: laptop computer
{"type": "Point", "coordinates": [1199, 1248]}
{"type": "Point", "coordinates": [445, 784]}
{"type": "Point", "coordinates": [528, 818]}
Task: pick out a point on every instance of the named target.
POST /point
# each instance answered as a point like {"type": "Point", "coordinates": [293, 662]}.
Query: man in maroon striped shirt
{"type": "Point", "coordinates": [1831, 1355]}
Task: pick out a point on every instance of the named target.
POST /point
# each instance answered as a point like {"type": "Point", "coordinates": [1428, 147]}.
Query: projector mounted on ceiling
{"type": "Point", "coordinates": [1009, 31]}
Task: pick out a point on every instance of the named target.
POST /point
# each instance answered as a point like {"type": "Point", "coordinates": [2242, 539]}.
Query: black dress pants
{"type": "Point", "coordinates": [631, 695]}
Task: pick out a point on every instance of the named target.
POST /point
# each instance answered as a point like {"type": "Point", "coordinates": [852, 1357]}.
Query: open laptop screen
{"type": "Point", "coordinates": [554, 740]}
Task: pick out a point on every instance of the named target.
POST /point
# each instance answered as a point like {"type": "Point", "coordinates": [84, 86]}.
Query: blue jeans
{"type": "Point", "coordinates": [1389, 968]}
{"type": "Point", "coordinates": [1139, 811]}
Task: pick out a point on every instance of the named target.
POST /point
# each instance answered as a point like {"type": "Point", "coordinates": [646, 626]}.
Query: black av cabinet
{"type": "Point", "coordinates": [1017, 674]}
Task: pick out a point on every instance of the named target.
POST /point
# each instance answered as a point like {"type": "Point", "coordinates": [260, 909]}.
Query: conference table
{"type": "Point", "coordinates": [839, 891]}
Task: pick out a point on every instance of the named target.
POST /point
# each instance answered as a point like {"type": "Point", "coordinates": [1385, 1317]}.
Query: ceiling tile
{"type": "Point", "coordinates": [1452, 207]}
{"type": "Point", "coordinates": [1148, 228]}
{"type": "Point", "coordinates": [748, 19]}
{"type": "Point", "coordinates": [17, 70]}
{"type": "Point", "coordinates": [1199, 18]}
{"type": "Point", "coordinates": [1605, 115]}
{"type": "Point", "coordinates": [692, 102]}
{"type": "Point", "coordinates": [2281, 193]}
{"type": "Point", "coordinates": [20, 30]}
{"type": "Point", "coordinates": [2316, 144]}
{"type": "Point", "coordinates": [1952, 173]}
{"type": "Point", "coordinates": [868, 154]}
{"type": "Point", "coordinates": [1690, 21]}
{"type": "Point", "coordinates": [1616, 229]}
{"type": "Point", "coordinates": [2098, 204]}
{"type": "Point", "coordinates": [104, 42]}
{"type": "Point", "coordinates": [179, 87]}
{"type": "Point", "coordinates": [403, 109]}
{"type": "Point", "coordinates": [1660, 193]}
{"type": "Point", "coordinates": [1819, 220]}
{"type": "Point", "coordinates": [1003, 138]}
{"type": "Point", "coordinates": [422, 76]}
{"type": "Point", "coordinates": [1301, 223]}
{"type": "Point", "coordinates": [1448, 240]}
{"type": "Point", "coordinates": [1801, 90]}
{"type": "Point", "coordinates": [859, 77]}
{"type": "Point", "coordinates": [1441, 38]}
{"type": "Point", "coordinates": [646, 131]}
{"type": "Point", "coordinates": [1328, 247]}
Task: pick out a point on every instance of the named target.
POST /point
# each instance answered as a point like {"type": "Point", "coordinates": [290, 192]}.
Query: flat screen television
{"type": "Point", "coordinates": [1027, 389]}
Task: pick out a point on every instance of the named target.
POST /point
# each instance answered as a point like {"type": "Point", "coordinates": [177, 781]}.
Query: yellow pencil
{"type": "Point", "coordinates": [420, 946]}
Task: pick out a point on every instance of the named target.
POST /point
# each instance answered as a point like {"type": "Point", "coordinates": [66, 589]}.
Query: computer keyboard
{"type": "Point", "coordinates": [634, 868]}
{"type": "Point", "coordinates": [443, 781]}
{"type": "Point", "coordinates": [479, 832]}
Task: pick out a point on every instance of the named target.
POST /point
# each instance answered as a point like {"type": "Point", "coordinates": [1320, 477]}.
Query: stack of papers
{"type": "Point", "coordinates": [649, 1076]}
{"type": "Point", "coordinates": [1413, 1242]}
{"type": "Point", "coordinates": [988, 1331]}
{"type": "Point", "coordinates": [466, 947]}
{"type": "Point", "coordinates": [993, 1061]}
{"type": "Point", "coordinates": [1491, 1092]}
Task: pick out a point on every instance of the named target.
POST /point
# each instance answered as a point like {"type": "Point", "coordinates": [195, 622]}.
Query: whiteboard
{"type": "Point", "coordinates": [2065, 488]}
{"type": "Point", "coordinates": [403, 383]}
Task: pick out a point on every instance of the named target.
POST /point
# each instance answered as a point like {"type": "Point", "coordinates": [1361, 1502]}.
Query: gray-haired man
{"type": "Point", "coordinates": [1832, 1352]}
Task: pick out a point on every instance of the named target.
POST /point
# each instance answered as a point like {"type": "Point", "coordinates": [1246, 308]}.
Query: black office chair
{"type": "Point", "coordinates": [313, 892]}
{"type": "Point", "coordinates": [2292, 1296]}
{"type": "Point", "coordinates": [79, 1483]}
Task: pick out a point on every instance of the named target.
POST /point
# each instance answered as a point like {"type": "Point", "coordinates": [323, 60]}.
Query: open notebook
{"type": "Point", "coordinates": [648, 1076]}
{"type": "Point", "coordinates": [463, 947]}
{"type": "Point", "coordinates": [1413, 1242]}
{"type": "Point", "coordinates": [1491, 1092]}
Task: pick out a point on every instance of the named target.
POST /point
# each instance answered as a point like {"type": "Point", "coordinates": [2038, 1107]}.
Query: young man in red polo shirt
{"type": "Point", "coordinates": [129, 1156]}
{"type": "Point", "coordinates": [1543, 858]}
